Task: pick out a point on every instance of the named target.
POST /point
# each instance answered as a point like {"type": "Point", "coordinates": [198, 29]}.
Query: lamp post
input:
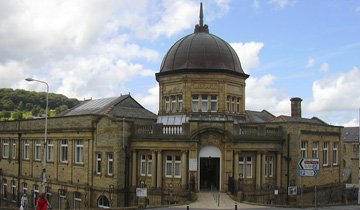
{"type": "Point", "coordinates": [45, 141]}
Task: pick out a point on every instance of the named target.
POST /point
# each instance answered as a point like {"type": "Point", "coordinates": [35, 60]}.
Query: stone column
{"type": "Point", "coordinates": [258, 170]}
{"type": "Point", "coordinates": [236, 166]}
{"type": "Point", "coordinates": [134, 167]}
{"type": "Point", "coordinates": [153, 170]}
{"type": "Point", "coordinates": [159, 169]}
{"type": "Point", "coordinates": [278, 170]}
{"type": "Point", "coordinates": [184, 170]}
{"type": "Point", "coordinates": [263, 159]}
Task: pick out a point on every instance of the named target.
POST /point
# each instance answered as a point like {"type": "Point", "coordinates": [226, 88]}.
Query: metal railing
{"type": "Point", "coordinates": [216, 194]}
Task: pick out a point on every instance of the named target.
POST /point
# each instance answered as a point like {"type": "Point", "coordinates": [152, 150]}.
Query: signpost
{"type": "Point", "coordinates": [308, 167]}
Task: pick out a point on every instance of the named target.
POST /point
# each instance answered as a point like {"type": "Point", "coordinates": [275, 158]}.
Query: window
{"type": "Point", "coordinates": [168, 166]}
{"type": "Point", "coordinates": [79, 151]}
{"type": "Point", "coordinates": [13, 190]}
{"type": "Point", "coordinates": [233, 104]}
{"type": "Point", "coordinates": [167, 104]}
{"type": "Point", "coordinates": [335, 153]}
{"type": "Point", "coordinates": [149, 165]}
{"type": "Point", "coordinates": [110, 164]}
{"type": "Point", "coordinates": [326, 153]}
{"type": "Point", "coordinates": [50, 150]}
{"type": "Point", "coordinates": [25, 189]}
{"type": "Point", "coordinates": [48, 193]}
{"type": "Point", "coordinates": [177, 167]}
{"type": "Point", "coordinates": [13, 149]}
{"type": "Point", "coordinates": [315, 150]}
{"type": "Point", "coordinates": [238, 101]}
{"type": "Point", "coordinates": [249, 167]}
{"type": "Point", "coordinates": [356, 148]}
{"type": "Point", "coordinates": [5, 148]}
{"type": "Point", "coordinates": [228, 103]}
{"type": "Point", "coordinates": [241, 167]}
{"type": "Point", "coordinates": [37, 149]}
{"type": "Point", "coordinates": [103, 202]}
{"type": "Point", "coordinates": [180, 103]}
{"type": "Point", "coordinates": [26, 149]}
{"type": "Point", "coordinates": [195, 103]}
{"type": "Point", "coordinates": [204, 103]}
{"type": "Point", "coordinates": [304, 149]}
{"type": "Point", "coordinates": [77, 200]}
{"type": "Point", "coordinates": [64, 151]}
{"type": "Point", "coordinates": [173, 103]}
{"type": "Point", "coordinates": [4, 192]}
{"type": "Point", "coordinates": [214, 102]}
{"type": "Point", "coordinates": [142, 165]}
{"type": "Point", "coordinates": [269, 166]}
{"type": "Point", "coordinates": [98, 163]}
{"type": "Point", "coordinates": [36, 193]}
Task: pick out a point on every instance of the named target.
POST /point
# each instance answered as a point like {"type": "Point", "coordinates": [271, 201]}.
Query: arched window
{"type": "Point", "coordinates": [103, 202]}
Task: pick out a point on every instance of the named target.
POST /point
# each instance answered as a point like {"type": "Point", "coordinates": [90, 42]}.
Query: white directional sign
{"type": "Point", "coordinates": [312, 173]}
{"type": "Point", "coordinates": [309, 163]}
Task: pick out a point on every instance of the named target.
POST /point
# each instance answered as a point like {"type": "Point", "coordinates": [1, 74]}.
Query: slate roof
{"type": "Point", "coordinates": [255, 116]}
{"type": "Point", "coordinates": [351, 134]}
{"type": "Point", "coordinates": [123, 106]}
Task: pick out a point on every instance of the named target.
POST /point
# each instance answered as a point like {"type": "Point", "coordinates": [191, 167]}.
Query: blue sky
{"type": "Point", "coordinates": [102, 48]}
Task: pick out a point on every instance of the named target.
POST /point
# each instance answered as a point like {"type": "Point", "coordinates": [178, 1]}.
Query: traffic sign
{"type": "Point", "coordinates": [311, 173]}
{"type": "Point", "coordinates": [309, 163]}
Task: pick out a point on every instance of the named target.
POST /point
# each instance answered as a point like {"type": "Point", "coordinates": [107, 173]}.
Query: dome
{"type": "Point", "coordinates": [201, 52]}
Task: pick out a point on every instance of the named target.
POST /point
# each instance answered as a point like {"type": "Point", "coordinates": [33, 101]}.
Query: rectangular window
{"type": "Point", "coordinates": [214, 103]}
{"type": "Point", "coordinates": [356, 148]}
{"type": "Point", "coordinates": [304, 149]}
{"type": "Point", "coordinates": [238, 101]}
{"type": "Point", "coordinates": [168, 166]}
{"type": "Point", "coordinates": [37, 150]}
{"type": "Point", "coordinates": [233, 104]}
{"type": "Point", "coordinates": [5, 150]}
{"type": "Point", "coordinates": [228, 103]}
{"type": "Point", "coordinates": [13, 149]}
{"type": "Point", "coordinates": [79, 151]}
{"type": "Point", "coordinates": [195, 103]}
{"type": "Point", "coordinates": [64, 151]}
{"type": "Point", "coordinates": [36, 193]}
{"type": "Point", "coordinates": [4, 189]}
{"type": "Point", "coordinates": [13, 190]}
{"type": "Point", "coordinates": [204, 103]}
{"type": "Point", "coordinates": [50, 150]}
{"type": "Point", "coordinates": [326, 154]}
{"type": "Point", "coordinates": [26, 149]}
{"type": "Point", "coordinates": [266, 166]}
{"type": "Point", "coordinates": [48, 193]}
{"type": "Point", "coordinates": [98, 163]}
{"type": "Point", "coordinates": [177, 167]}
{"type": "Point", "coordinates": [173, 103]}
{"type": "Point", "coordinates": [241, 167]}
{"type": "Point", "coordinates": [149, 165]}
{"type": "Point", "coordinates": [167, 104]}
{"type": "Point", "coordinates": [25, 188]}
{"type": "Point", "coordinates": [249, 167]}
{"type": "Point", "coordinates": [315, 150]}
{"type": "Point", "coordinates": [110, 164]}
{"type": "Point", "coordinates": [271, 166]}
{"type": "Point", "coordinates": [335, 153]}
{"type": "Point", "coordinates": [77, 200]}
{"type": "Point", "coordinates": [142, 165]}
{"type": "Point", "coordinates": [180, 103]}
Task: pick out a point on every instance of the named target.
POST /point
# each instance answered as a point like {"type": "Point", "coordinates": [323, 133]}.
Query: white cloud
{"type": "Point", "coordinates": [352, 123]}
{"type": "Point", "coordinates": [282, 3]}
{"type": "Point", "coordinates": [256, 4]}
{"type": "Point", "coordinates": [310, 63]}
{"type": "Point", "coordinates": [324, 67]}
{"type": "Point", "coordinates": [336, 92]}
{"type": "Point", "coordinates": [150, 101]}
{"type": "Point", "coordinates": [261, 95]}
{"type": "Point", "coordinates": [11, 72]}
{"type": "Point", "coordinates": [248, 54]}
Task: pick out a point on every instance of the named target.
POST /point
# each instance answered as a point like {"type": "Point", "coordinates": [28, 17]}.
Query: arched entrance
{"type": "Point", "coordinates": [210, 167]}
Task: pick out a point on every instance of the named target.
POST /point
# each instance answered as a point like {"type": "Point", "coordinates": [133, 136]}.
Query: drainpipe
{"type": "Point", "coordinates": [19, 166]}
{"type": "Point", "coordinates": [288, 159]}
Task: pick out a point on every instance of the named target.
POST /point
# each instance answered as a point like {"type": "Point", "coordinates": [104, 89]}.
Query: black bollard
{"type": "Point", "coordinates": [235, 206]}
{"type": "Point", "coordinates": [187, 207]}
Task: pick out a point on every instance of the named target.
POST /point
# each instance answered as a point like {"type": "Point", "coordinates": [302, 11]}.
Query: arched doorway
{"type": "Point", "coordinates": [210, 168]}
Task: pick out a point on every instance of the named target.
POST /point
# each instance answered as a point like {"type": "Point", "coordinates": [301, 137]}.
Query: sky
{"type": "Point", "coordinates": [104, 48]}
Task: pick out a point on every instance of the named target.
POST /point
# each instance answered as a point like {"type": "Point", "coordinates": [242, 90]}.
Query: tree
{"type": "Point", "coordinates": [29, 106]}
{"type": "Point", "coordinates": [21, 106]}
{"type": "Point", "coordinates": [18, 115]}
{"type": "Point", "coordinates": [5, 114]}
{"type": "Point", "coordinates": [35, 111]}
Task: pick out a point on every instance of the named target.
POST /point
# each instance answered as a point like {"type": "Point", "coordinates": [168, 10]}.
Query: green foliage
{"type": "Point", "coordinates": [5, 114]}
{"type": "Point", "coordinates": [17, 115]}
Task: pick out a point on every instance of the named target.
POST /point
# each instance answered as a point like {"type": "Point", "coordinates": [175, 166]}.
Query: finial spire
{"type": "Point", "coordinates": [201, 27]}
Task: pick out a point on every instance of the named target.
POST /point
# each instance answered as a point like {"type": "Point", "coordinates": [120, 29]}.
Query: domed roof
{"type": "Point", "coordinates": [201, 52]}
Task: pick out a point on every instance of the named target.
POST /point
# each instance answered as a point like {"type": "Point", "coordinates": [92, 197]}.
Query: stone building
{"type": "Point", "coordinates": [351, 155]}
{"type": "Point", "coordinates": [202, 139]}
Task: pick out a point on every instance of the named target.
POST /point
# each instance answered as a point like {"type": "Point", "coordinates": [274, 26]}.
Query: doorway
{"type": "Point", "coordinates": [209, 173]}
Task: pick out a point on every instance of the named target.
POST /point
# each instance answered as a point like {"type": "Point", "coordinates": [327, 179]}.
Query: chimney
{"type": "Point", "coordinates": [296, 107]}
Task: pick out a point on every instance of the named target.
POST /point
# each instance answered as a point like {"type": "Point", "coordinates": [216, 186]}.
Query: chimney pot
{"type": "Point", "coordinates": [296, 107]}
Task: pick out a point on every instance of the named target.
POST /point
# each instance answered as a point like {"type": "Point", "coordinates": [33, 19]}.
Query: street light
{"type": "Point", "coordinates": [45, 142]}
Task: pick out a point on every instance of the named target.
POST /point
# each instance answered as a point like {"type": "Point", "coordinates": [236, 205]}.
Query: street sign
{"type": "Point", "coordinates": [311, 173]}
{"type": "Point", "coordinates": [292, 190]}
{"type": "Point", "coordinates": [309, 163]}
